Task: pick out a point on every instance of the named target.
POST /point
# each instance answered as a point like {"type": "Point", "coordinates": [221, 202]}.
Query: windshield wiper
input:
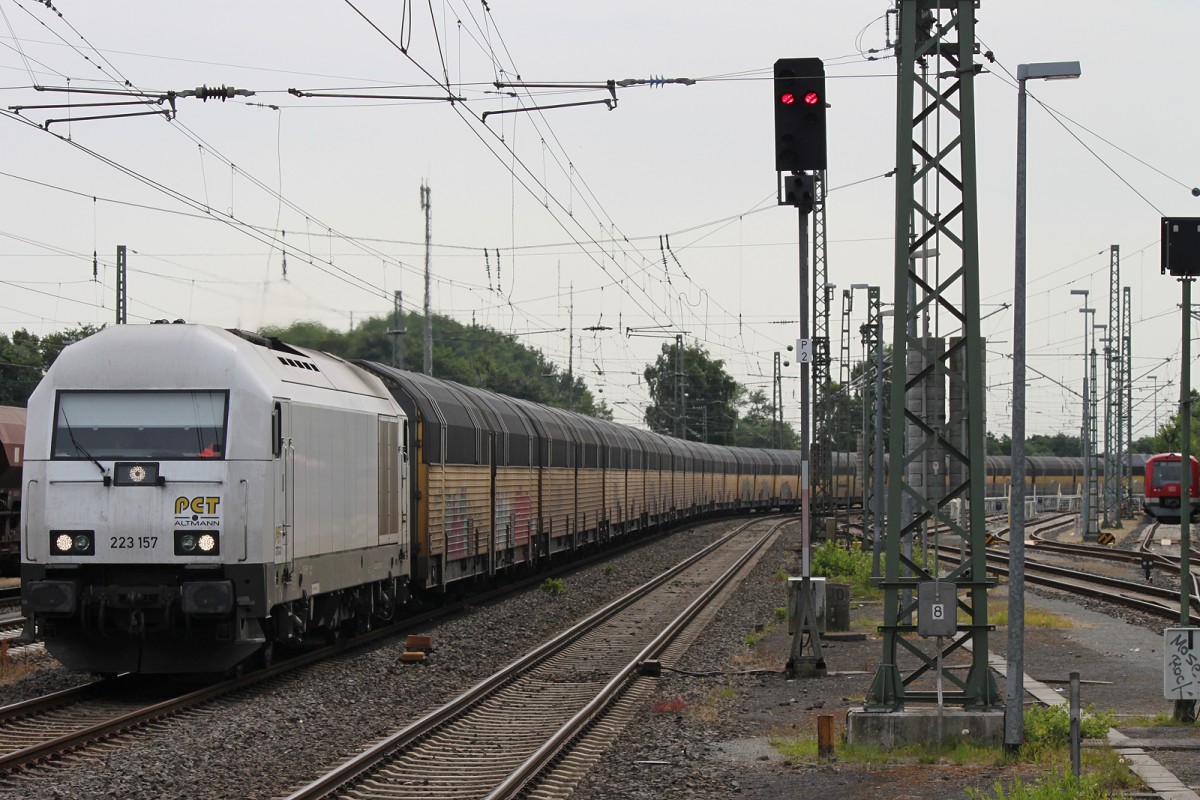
{"type": "Point", "coordinates": [78, 447]}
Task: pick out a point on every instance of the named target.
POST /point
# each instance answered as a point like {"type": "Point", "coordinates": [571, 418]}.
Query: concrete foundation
{"type": "Point", "coordinates": [888, 729]}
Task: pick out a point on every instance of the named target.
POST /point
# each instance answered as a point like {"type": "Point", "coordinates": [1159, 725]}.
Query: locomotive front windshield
{"type": "Point", "coordinates": [140, 425]}
{"type": "Point", "coordinates": [1167, 472]}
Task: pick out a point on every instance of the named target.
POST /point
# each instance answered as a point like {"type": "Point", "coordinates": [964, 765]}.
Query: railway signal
{"type": "Point", "coordinates": [799, 114]}
{"type": "Point", "coordinates": [1180, 248]}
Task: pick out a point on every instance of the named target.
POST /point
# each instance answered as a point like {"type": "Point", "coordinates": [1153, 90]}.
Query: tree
{"type": "Point", "coordinates": [1168, 439]}
{"type": "Point", "coordinates": [756, 428]}
{"type": "Point", "coordinates": [999, 446]}
{"type": "Point", "coordinates": [469, 354]}
{"type": "Point", "coordinates": [711, 393]}
{"type": "Point", "coordinates": [25, 357]}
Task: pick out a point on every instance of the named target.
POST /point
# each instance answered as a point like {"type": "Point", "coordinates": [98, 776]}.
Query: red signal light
{"type": "Point", "coordinates": [811, 98]}
{"type": "Point", "coordinates": [787, 98]}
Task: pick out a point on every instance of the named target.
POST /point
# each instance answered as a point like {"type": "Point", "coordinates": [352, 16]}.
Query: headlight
{"type": "Point", "coordinates": [73, 543]}
{"type": "Point", "coordinates": [188, 543]}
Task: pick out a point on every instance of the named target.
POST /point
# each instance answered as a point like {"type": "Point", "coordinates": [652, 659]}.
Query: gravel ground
{"type": "Point", "coordinates": [704, 737]}
{"type": "Point", "coordinates": [267, 741]}
{"type": "Point", "coordinates": [711, 736]}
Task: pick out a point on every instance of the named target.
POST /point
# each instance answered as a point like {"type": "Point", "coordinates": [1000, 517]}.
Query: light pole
{"type": "Point", "coordinates": [1014, 692]}
{"type": "Point", "coordinates": [1085, 444]}
{"type": "Point", "coordinates": [1154, 431]}
{"type": "Point", "coordinates": [1092, 432]}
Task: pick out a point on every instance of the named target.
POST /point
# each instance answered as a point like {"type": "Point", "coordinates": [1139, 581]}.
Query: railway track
{"type": "Point", "coordinates": [495, 740]}
{"type": "Point", "coordinates": [1155, 600]}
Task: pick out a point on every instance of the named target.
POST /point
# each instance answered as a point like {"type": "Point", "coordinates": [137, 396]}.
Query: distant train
{"type": "Point", "coordinates": [1164, 488]}
{"type": "Point", "coordinates": [193, 495]}
{"type": "Point", "coordinates": [1044, 475]}
{"type": "Point", "coordinates": [12, 446]}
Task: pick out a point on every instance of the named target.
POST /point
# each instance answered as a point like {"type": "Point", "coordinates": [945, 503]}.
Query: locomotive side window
{"type": "Point", "coordinates": [277, 430]}
{"type": "Point", "coordinates": [140, 425]}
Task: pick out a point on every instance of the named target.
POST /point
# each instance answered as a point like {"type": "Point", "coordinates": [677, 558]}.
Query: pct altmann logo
{"type": "Point", "coordinates": [197, 512]}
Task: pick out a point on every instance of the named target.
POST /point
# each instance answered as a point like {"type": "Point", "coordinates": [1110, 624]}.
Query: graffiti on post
{"type": "Point", "coordinates": [1181, 664]}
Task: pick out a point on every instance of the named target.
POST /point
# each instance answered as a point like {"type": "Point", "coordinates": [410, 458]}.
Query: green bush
{"type": "Point", "coordinates": [553, 586]}
{"type": "Point", "coordinates": [852, 566]}
{"type": "Point", "coordinates": [1050, 726]}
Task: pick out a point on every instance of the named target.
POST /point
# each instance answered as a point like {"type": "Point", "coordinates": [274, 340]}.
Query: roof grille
{"type": "Point", "coordinates": [292, 362]}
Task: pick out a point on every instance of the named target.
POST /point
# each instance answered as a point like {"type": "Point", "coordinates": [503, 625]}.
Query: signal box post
{"type": "Point", "coordinates": [799, 108]}
{"type": "Point", "coordinates": [1180, 249]}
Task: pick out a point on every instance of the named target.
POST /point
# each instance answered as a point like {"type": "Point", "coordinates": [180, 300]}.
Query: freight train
{"type": "Point", "coordinates": [194, 496]}
{"type": "Point", "coordinates": [12, 448]}
{"type": "Point", "coordinates": [1045, 476]}
{"type": "Point", "coordinates": [1164, 479]}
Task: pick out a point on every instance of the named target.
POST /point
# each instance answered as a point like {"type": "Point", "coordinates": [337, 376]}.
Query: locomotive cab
{"type": "Point", "coordinates": [164, 469]}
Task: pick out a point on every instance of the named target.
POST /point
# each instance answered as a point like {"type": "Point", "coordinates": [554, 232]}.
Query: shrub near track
{"type": "Point", "coordinates": [849, 565]}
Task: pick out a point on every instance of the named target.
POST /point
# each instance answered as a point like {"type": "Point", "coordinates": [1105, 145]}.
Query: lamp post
{"type": "Point", "coordinates": [1014, 692]}
{"type": "Point", "coordinates": [1085, 444]}
{"type": "Point", "coordinates": [1092, 432]}
{"type": "Point", "coordinates": [1154, 431]}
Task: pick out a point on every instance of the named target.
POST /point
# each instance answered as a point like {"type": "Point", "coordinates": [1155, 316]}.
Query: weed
{"type": "Point", "coordinates": [780, 612]}
{"type": "Point", "coordinates": [1055, 786]}
{"type": "Point", "coordinates": [1161, 720]}
{"type": "Point", "coordinates": [796, 750]}
{"type": "Point", "coordinates": [608, 570]}
{"type": "Point", "coordinates": [1050, 726]}
{"type": "Point", "coordinates": [782, 575]}
{"type": "Point", "coordinates": [1034, 617]}
{"type": "Point", "coordinates": [553, 586]}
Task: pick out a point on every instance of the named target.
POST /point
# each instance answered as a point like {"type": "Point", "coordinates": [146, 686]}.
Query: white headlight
{"type": "Point", "coordinates": [64, 542]}
{"type": "Point", "coordinates": [207, 542]}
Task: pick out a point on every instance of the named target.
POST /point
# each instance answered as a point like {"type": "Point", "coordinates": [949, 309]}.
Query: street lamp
{"type": "Point", "coordinates": [1014, 693]}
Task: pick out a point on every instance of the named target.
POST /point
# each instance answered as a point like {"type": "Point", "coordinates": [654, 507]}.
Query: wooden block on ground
{"type": "Point", "coordinates": [422, 642]}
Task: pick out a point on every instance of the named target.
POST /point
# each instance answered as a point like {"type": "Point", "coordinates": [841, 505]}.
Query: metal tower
{"type": "Point", "coordinates": [1092, 523]}
{"type": "Point", "coordinates": [939, 35]}
{"type": "Point", "coordinates": [847, 307]}
{"type": "Point", "coordinates": [1114, 396]}
{"type": "Point", "coordinates": [1127, 386]}
{"type": "Point", "coordinates": [872, 339]}
{"type": "Point", "coordinates": [822, 450]}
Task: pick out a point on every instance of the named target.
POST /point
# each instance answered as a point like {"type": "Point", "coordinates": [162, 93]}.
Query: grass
{"type": "Point", "coordinates": [760, 632]}
{"type": "Point", "coordinates": [1034, 617]}
{"type": "Point", "coordinates": [1047, 732]}
{"type": "Point", "coordinates": [1058, 785]}
{"type": "Point", "coordinates": [553, 586]}
{"type": "Point", "coordinates": [1161, 720]}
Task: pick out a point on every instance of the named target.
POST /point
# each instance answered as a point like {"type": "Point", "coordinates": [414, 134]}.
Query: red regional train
{"type": "Point", "coordinates": [1164, 479]}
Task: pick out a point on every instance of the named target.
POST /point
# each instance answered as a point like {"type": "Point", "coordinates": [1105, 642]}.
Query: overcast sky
{"type": "Point", "coordinates": [528, 205]}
